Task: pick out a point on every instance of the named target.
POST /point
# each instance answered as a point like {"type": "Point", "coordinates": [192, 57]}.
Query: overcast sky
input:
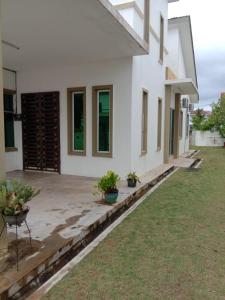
{"type": "Point", "coordinates": [208, 26]}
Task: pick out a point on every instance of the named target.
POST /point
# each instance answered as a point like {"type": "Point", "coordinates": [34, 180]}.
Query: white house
{"type": "Point", "coordinates": [93, 85]}
{"type": "Point", "coordinates": [181, 74]}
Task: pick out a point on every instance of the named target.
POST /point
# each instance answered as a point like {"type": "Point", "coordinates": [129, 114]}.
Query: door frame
{"type": "Point", "coordinates": [172, 132]}
{"type": "Point", "coordinates": [58, 133]}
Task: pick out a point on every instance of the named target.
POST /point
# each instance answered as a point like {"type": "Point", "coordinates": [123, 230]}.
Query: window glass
{"type": "Point", "coordinates": [144, 122]}
{"type": "Point", "coordinates": [181, 125]}
{"type": "Point", "coordinates": [159, 136]}
{"type": "Point", "coordinates": [9, 121]}
{"type": "Point", "coordinates": [103, 121]}
{"type": "Point", "coordinates": [161, 38]}
{"type": "Point", "coordinates": [172, 118]}
{"type": "Point", "coordinates": [78, 121]}
{"type": "Point", "coordinates": [187, 125]}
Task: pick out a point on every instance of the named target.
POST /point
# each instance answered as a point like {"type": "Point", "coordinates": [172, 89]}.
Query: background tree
{"type": "Point", "coordinates": [198, 119]}
{"type": "Point", "coordinates": [216, 121]}
{"type": "Point", "coordinates": [218, 115]}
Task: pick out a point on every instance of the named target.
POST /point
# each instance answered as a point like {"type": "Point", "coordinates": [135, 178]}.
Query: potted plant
{"type": "Point", "coordinates": [132, 179]}
{"type": "Point", "coordinates": [107, 185]}
{"type": "Point", "coordinates": [13, 198]}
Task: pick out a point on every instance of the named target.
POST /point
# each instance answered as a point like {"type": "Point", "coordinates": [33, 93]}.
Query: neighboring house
{"type": "Point", "coordinates": [181, 74]}
{"type": "Point", "coordinates": [99, 85]}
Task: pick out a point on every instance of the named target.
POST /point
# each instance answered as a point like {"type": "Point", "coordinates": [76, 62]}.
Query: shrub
{"type": "Point", "coordinates": [108, 182]}
{"type": "Point", "coordinates": [133, 177]}
{"type": "Point", "coordinates": [13, 197]}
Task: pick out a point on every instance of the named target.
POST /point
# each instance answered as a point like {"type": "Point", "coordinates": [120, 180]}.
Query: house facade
{"type": "Point", "coordinates": [181, 76]}
{"type": "Point", "coordinates": [95, 85]}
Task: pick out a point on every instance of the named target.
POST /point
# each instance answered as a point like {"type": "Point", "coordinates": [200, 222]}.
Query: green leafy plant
{"type": "Point", "coordinates": [202, 122]}
{"type": "Point", "coordinates": [108, 183]}
{"type": "Point", "coordinates": [216, 121]}
{"type": "Point", "coordinates": [133, 177]}
{"type": "Point", "coordinates": [198, 119]}
{"type": "Point", "coordinates": [218, 115]}
{"type": "Point", "coordinates": [13, 197]}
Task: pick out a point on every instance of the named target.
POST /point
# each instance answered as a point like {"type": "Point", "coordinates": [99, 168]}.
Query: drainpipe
{"type": "Point", "coordinates": [3, 239]}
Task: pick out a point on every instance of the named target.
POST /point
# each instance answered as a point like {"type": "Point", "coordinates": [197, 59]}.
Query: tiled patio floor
{"type": "Point", "coordinates": [59, 216]}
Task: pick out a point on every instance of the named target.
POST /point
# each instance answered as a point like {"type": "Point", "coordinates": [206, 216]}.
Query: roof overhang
{"type": "Point", "coordinates": [184, 87]}
{"type": "Point", "coordinates": [186, 37]}
{"type": "Point", "coordinates": [45, 32]}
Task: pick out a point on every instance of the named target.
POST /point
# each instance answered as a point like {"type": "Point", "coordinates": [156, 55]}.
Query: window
{"type": "Point", "coordinates": [161, 39]}
{"type": "Point", "coordinates": [187, 125]}
{"type": "Point", "coordinates": [159, 135]}
{"type": "Point", "coordinates": [102, 120]}
{"type": "Point", "coordinates": [9, 120]}
{"type": "Point", "coordinates": [144, 125]}
{"type": "Point", "coordinates": [181, 125]}
{"type": "Point", "coordinates": [76, 102]}
{"type": "Point", "coordinates": [171, 137]}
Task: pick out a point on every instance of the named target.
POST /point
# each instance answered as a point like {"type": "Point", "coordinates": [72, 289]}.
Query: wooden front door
{"type": "Point", "coordinates": [41, 131]}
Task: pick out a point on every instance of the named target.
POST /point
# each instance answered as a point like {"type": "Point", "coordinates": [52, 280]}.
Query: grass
{"type": "Point", "coordinates": [171, 247]}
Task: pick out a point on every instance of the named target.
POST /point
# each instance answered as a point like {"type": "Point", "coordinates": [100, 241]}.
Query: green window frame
{"type": "Point", "coordinates": [9, 120]}
{"type": "Point", "coordinates": [102, 120]}
{"type": "Point", "coordinates": [181, 119]}
{"type": "Point", "coordinates": [161, 40]}
{"type": "Point", "coordinates": [76, 106]}
{"type": "Point", "coordinates": [144, 122]}
{"type": "Point", "coordinates": [187, 125]}
{"type": "Point", "coordinates": [159, 133]}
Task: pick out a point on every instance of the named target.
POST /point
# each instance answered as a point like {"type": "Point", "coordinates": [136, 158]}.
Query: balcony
{"type": "Point", "coordinates": [133, 12]}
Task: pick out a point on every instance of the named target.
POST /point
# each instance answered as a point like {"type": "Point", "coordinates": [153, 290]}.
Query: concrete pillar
{"type": "Point", "coordinates": [3, 239]}
{"type": "Point", "coordinates": [176, 125]}
{"type": "Point", "coordinates": [167, 124]}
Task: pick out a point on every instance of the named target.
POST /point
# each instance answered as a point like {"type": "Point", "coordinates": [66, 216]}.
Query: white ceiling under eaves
{"type": "Point", "coordinates": [55, 31]}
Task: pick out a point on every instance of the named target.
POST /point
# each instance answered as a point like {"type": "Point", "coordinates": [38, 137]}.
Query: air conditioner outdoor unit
{"type": "Point", "coordinates": [190, 107]}
{"type": "Point", "coordinates": [184, 103]}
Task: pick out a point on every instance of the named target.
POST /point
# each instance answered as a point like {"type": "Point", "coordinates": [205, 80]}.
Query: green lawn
{"type": "Point", "coordinates": [171, 247]}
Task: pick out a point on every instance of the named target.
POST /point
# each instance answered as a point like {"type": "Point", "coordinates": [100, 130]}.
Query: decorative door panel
{"type": "Point", "coordinates": [41, 131]}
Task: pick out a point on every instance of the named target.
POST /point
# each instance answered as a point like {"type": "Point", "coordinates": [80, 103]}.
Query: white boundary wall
{"type": "Point", "coordinates": [207, 138]}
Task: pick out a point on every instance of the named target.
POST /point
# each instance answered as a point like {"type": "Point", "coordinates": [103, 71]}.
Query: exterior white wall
{"type": "Point", "coordinates": [149, 74]}
{"type": "Point", "coordinates": [184, 141]}
{"type": "Point", "coordinates": [175, 61]}
{"type": "Point", "coordinates": [9, 80]}
{"type": "Point", "coordinates": [129, 77]}
{"type": "Point", "coordinates": [157, 8]}
{"type": "Point", "coordinates": [59, 79]}
{"type": "Point", "coordinates": [207, 138]}
{"type": "Point", "coordinates": [181, 72]}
